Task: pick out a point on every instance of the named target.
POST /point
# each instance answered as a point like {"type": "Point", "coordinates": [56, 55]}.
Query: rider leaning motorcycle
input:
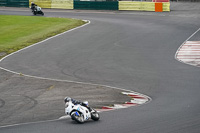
{"type": "Point", "coordinates": [33, 5]}
{"type": "Point", "coordinates": [84, 103]}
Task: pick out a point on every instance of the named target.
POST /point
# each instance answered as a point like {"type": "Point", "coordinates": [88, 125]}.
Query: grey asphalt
{"type": "Point", "coordinates": [25, 99]}
{"type": "Point", "coordinates": [131, 50]}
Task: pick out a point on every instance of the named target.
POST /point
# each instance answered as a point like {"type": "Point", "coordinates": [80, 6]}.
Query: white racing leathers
{"type": "Point", "coordinates": [80, 113]}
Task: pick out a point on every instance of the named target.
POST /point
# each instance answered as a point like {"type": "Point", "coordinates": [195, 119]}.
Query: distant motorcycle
{"type": "Point", "coordinates": [37, 10]}
{"type": "Point", "coordinates": [80, 113]}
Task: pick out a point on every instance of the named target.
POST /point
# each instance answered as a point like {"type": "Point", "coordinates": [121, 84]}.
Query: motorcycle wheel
{"type": "Point", "coordinates": [95, 116]}
{"type": "Point", "coordinates": [42, 13]}
{"type": "Point", "coordinates": [79, 119]}
{"type": "Point", "coordinates": [34, 13]}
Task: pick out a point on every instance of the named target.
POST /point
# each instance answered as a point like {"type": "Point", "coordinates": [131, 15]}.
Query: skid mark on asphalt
{"type": "Point", "coordinates": [2, 103]}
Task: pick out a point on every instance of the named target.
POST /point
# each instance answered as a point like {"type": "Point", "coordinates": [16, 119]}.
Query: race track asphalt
{"type": "Point", "coordinates": [128, 50]}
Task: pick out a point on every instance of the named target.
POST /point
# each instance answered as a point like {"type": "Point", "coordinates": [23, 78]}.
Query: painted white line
{"type": "Point", "coordinates": [36, 76]}
{"type": "Point", "coordinates": [192, 48]}
{"type": "Point", "coordinates": [28, 123]}
{"type": "Point", "coordinates": [179, 49]}
{"type": "Point", "coordinates": [187, 58]}
{"type": "Point", "coordinates": [134, 94]}
{"type": "Point", "coordinates": [44, 41]}
{"type": "Point", "coordinates": [196, 60]}
{"type": "Point", "coordinates": [189, 51]}
{"type": "Point", "coordinates": [64, 117]}
{"type": "Point", "coordinates": [119, 106]}
{"type": "Point", "coordinates": [187, 40]}
{"type": "Point", "coordinates": [186, 44]}
{"type": "Point", "coordinates": [138, 101]}
{"type": "Point", "coordinates": [193, 42]}
{"type": "Point", "coordinates": [189, 54]}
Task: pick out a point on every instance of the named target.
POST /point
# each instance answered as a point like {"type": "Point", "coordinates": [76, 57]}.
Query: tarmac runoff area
{"type": "Point", "coordinates": [27, 99]}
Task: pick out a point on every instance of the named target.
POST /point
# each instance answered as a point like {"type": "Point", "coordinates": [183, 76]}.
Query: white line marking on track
{"type": "Point", "coordinates": [12, 125]}
{"type": "Point", "coordinates": [188, 45]}
{"type": "Point", "coordinates": [46, 40]}
{"type": "Point", "coordinates": [189, 51]}
{"type": "Point", "coordinates": [197, 60]}
{"type": "Point", "coordinates": [191, 44]}
{"type": "Point", "coordinates": [127, 91]}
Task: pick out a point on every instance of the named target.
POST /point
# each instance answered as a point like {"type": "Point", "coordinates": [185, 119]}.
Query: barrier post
{"type": "Point", "coordinates": [158, 7]}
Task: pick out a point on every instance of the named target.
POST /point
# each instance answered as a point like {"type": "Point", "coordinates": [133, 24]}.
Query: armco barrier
{"type": "Point", "coordinates": [166, 6]}
{"type": "Point", "coordinates": [88, 5]}
{"type": "Point", "coordinates": [14, 3]}
{"type": "Point", "coordinates": [71, 4]}
{"type": "Point", "coordinates": [142, 6]}
{"type": "Point", "coordinates": [3, 2]}
{"type": "Point", "coordinates": [139, 6]}
{"type": "Point", "coordinates": [161, 1]}
{"type": "Point", "coordinates": [62, 4]}
{"type": "Point", "coordinates": [96, 5]}
{"type": "Point", "coordinates": [42, 3]}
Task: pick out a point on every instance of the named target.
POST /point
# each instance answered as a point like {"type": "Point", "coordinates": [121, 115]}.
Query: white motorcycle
{"type": "Point", "coordinates": [37, 10]}
{"type": "Point", "coordinates": [80, 113]}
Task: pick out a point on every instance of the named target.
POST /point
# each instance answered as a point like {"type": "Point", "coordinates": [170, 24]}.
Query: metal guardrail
{"type": "Point", "coordinates": [14, 3]}
{"type": "Point", "coordinates": [185, 0]}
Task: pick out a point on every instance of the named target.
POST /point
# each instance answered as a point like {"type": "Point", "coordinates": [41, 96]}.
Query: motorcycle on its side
{"type": "Point", "coordinates": [37, 10]}
{"type": "Point", "coordinates": [80, 113]}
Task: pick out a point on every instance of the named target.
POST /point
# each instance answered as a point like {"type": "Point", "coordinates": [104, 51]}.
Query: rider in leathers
{"type": "Point", "coordinates": [75, 102]}
{"type": "Point", "coordinates": [33, 5]}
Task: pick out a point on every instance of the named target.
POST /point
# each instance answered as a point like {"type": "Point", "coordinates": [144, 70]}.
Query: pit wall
{"type": "Point", "coordinates": [92, 5]}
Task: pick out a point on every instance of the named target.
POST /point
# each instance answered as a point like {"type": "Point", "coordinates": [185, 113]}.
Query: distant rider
{"type": "Point", "coordinates": [75, 102]}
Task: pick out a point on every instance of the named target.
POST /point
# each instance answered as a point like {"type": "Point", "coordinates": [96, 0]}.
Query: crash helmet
{"type": "Point", "coordinates": [86, 103]}
{"type": "Point", "coordinates": [67, 99]}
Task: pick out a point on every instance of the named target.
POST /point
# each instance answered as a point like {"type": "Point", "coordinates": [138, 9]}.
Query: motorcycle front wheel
{"type": "Point", "coordinates": [42, 13]}
{"type": "Point", "coordinates": [95, 116]}
{"type": "Point", "coordinates": [78, 118]}
{"type": "Point", "coordinates": [34, 13]}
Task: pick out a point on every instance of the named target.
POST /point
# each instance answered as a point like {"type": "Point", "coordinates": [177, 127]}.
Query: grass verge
{"type": "Point", "coordinates": [18, 32]}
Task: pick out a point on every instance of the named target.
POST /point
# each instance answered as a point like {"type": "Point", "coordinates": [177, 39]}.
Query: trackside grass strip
{"type": "Point", "coordinates": [17, 32]}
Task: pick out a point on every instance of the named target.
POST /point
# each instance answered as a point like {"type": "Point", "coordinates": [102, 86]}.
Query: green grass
{"type": "Point", "coordinates": [17, 32]}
